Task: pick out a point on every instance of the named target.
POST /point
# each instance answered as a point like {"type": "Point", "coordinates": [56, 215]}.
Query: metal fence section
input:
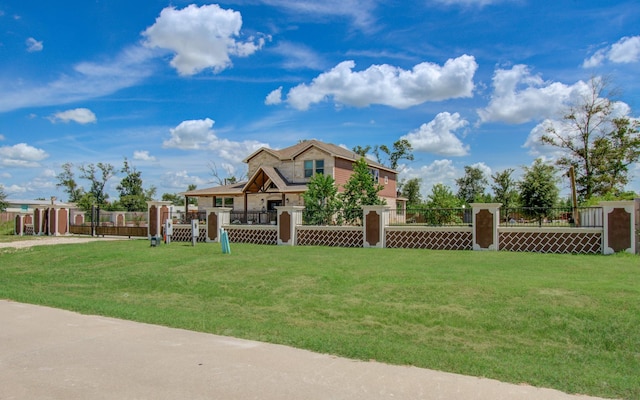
{"type": "Point", "coordinates": [565, 217]}
{"type": "Point", "coordinates": [431, 216]}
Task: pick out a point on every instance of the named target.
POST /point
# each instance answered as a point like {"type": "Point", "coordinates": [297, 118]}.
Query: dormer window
{"type": "Point", "coordinates": [313, 166]}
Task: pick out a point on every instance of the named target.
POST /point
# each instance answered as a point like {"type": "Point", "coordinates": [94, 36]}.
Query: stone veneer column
{"type": "Point", "coordinates": [216, 217]}
{"type": "Point", "coordinates": [157, 212]}
{"type": "Point", "coordinates": [486, 218]}
{"type": "Point", "coordinates": [289, 217]}
{"type": "Point", "coordinates": [374, 221]}
{"type": "Point", "coordinates": [619, 227]}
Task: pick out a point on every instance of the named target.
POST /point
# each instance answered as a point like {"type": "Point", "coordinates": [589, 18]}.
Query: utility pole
{"type": "Point", "coordinates": [574, 196]}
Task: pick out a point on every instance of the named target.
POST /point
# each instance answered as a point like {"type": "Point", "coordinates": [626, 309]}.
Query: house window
{"type": "Point", "coordinates": [386, 180]}
{"type": "Point", "coordinates": [375, 174]}
{"type": "Point", "coordinates": [311, 166]}
{"type": "Point", "coordinates": [224, 201]}
{"type": "Point", "coordinates": [319, 166]}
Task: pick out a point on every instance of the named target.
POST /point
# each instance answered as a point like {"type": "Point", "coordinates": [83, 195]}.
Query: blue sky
{"type": "Point", "coordinates": [178, 86]}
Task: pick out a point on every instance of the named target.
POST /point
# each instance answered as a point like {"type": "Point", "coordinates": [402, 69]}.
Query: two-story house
{"type": "Point", "coordinates": [279, 177]}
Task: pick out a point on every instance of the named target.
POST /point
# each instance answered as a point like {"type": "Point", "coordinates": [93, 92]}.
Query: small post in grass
{"type": "Point", "coordinates": [195, 231]}
{"type": "Point", "coordinates": [168, 231]}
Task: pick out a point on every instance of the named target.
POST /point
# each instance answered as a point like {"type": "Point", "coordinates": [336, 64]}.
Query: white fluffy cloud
{"type": "Point", "coordinates": [79, 115]}
{"type": "Point", "coordinates": [34, 45]}
{"type": "Point", "coordinates": [181, 179]}
{"type": "Point", "coordinates": [624, 51]}
{"type": "Point", "coordinates": [201, 37]}
{"type": "Point", "coordinates": [388, 85]}
{"type": "Point", "coordinates": [199, 135]}
{"type": "Point", "coordinates": [21, 155]}
{"type": "Point", "coordinates": [275, 97]}
{"type": "Point", "coordinates": [143, 155]}
{"type": "Point", "coordinates": [439, 171]}
{"type": "Point", "coordinates": [519, 96]}
{"type": "Point", "coordinates": [438, 136]}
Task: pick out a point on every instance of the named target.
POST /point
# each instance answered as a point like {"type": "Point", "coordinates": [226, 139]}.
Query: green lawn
{"type": "Point", "coordinates": [562, 321]}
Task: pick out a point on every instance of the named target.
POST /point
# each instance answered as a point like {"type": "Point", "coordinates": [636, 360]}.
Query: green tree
{"type": "Point", "coordinates": [98, 182]}
{"type": "Point", "coordinates": [66, 180]}
{"type": "Point", "coordinates": [360, 190]}
{"type": "Point", "coordinates": [505, 188]}
{"type": "Point", "coordinates": [411, 190]}
{"type": "Point", "coordinates": [3, 199]}
{"type": "Point", "coordinates": [174, 198]}
{"type": "Point", "coordinates": [538, 190]}
{"type": "Point", "coordinates": [471, 187]}
{"type": "Point", "coordinates": [401, 150]}
{"type": "Point", "coordinates": [596, 142]}
{"type": "Point", "coordinates": [361, 151]}
{"type": "Point", "coordinates": [133, 197]}
{"type": "Point", "coordinates": [321, 200]}
{"type": "Point", "coordinates": [442, 206]}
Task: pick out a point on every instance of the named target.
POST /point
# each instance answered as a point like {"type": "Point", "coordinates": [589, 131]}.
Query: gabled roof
{"type": "Point", "coordinates": [265, 176]}
{"type": "Point", "coordinates": [291, 152]}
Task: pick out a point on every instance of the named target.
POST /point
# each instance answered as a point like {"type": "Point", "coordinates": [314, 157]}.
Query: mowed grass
{"type": "Point", "coordinates": [567, 322]}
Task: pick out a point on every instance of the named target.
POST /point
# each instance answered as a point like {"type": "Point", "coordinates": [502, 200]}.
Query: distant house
{"type": "Point", "coordinates": [280, 177]}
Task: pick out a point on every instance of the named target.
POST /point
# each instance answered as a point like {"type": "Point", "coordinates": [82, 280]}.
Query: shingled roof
{"type": "Point", "coordinates": [291, 152]}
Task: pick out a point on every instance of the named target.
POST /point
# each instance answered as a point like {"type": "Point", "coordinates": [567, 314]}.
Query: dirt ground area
{"type": "Point", "coordinates": [52, 240]}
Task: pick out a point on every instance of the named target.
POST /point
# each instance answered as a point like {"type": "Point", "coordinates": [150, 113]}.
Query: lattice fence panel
{"type": "Point", "coordinates": [28, 230]}
{"type": "Point", "coordinates": [552, 242]}
{"type": "Point", "coordinates": [254, 236]}
{"type": "Point", "coordinates": [328, 237]}
{"type": "Point", "coordinates": [184, 235]}
{"type": "Point", "coordinates": [429, 240]}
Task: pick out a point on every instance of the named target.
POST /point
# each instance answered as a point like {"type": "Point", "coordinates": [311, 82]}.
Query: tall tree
{"type": "Point", "coordinates": [539, 190]}
{"type": "Point", "coordinates": [132, 194]}
{"type": "Point", "coordinates": [98, 182]}
{"type": "Point", "coordinates": [229, 178]}
{"type": "Point", "coordinates": [66, 180]}
{"type": "Point", "coordinates": [3, 199]}
{"type": "Point", "coordinates": [411, 190]}
{"type": "Point", "coordinates": [505, 188]}
{"type": "Point", "coordinates": [361, 151]}
{"type": "Point", "coordinates": [401, 150]}
{"type": "Point", "coordinates": [597, 142]}
{"type": "Point", "coordinates": [442, 205]}
{"type": "Point", "coordinates": [361, 189]}
{"type": "Point", "coordinates": [471, 187]}
{"type": "Point", "coordinates": [321, 200]}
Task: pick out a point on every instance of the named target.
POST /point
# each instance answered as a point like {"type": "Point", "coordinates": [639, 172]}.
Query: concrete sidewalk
{"type": "Point", "coordinates": [47, 353]}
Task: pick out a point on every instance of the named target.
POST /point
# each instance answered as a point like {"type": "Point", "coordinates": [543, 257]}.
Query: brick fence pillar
{"type": "Point", "coordinates": [374, 221]}
{"type": "Point", "coordinates": [216, 218]}
{"type": "Point", "coordinates": [157, 213]}
{"type": "Point", "coordinates": [486, 218]}
{"type": "Point", "coordinates": [289, 217]}
{"type": "Point", "coordinates": [619, 226]}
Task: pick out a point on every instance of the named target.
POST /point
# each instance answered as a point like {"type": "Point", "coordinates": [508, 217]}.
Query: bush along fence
{"type": "Point", "coordinates": [612, 227]}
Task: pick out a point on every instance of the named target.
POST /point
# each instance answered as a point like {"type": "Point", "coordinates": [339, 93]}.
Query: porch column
{"type": "Point", "coordinates": [289, 217]}
{"type": "Point", "coordinates": [216, 218]}
{"type": "Point", "coordinates": [619, 226]}
{"type": "Point", "coordinates": [374, 221]}
{"type": "Point", "coordinates": [486, 218]}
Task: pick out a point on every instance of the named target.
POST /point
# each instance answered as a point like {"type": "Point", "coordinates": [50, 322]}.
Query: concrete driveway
{"type": "Point", "coordinates": [47, 353]}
